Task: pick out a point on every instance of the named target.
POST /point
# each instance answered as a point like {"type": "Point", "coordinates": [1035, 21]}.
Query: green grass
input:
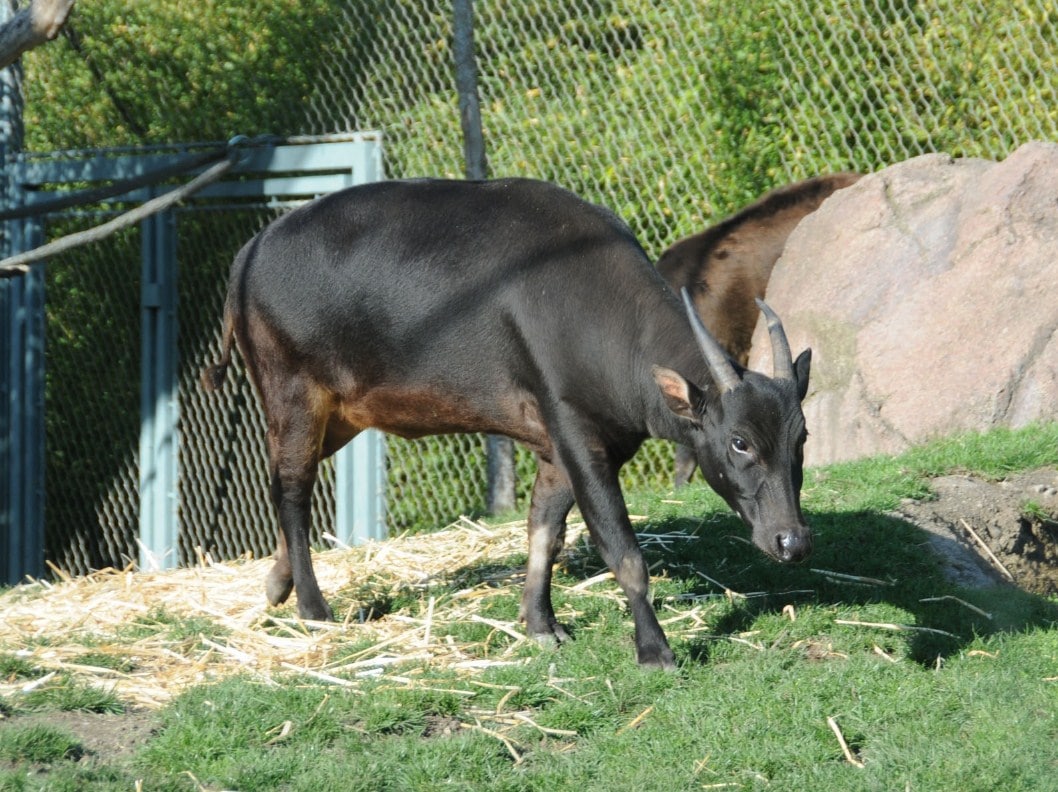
{"type": "Point", "coordinates": [67, 694]}
{"type": "Point", "coordinates": [38, 744]}
{"type": "Point", "coordinates": [952, 700]}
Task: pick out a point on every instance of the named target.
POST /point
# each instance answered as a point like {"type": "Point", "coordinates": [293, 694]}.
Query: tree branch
{"type": "Point", "coordinates": [19, 264]}
{"type": "Point", "coordinates": [37, 23]}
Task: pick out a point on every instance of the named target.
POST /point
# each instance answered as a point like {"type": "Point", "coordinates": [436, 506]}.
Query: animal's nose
{"type": "Point", "coordinates": [794, 545]}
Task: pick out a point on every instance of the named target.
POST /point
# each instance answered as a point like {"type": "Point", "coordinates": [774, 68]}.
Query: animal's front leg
{"type": "Point", "coordinates": [593, 474]}
{"type": "Point", "coordinates": [686, 464]}
{"type": "Point", "coordinates": [621, 553]}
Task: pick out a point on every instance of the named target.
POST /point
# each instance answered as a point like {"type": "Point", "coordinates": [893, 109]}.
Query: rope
{"type": "Point", "coordinates": [97, 194]}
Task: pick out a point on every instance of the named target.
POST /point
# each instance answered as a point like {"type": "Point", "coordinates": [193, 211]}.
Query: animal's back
{"type": "Point", "coordinates": [436, 251]}
{"type": "Point", "coordinates": [464, 291]}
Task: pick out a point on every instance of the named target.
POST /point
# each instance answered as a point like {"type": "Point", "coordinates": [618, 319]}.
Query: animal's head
{"type": "Point", "coordinates": [749, 434]}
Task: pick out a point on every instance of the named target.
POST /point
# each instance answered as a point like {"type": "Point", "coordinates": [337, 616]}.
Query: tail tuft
{"type": "Point", "coordinates": [213, 376]}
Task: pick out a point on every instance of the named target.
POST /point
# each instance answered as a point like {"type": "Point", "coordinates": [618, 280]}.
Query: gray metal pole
{"type": "Point", "coordinates": [158, 395]}
{"type": "Point", "coordinates": [22, 369]}
{"type": "Point", "coordinates": [500, 476]}
{"type": "Point", "coordinates": [467, 87]}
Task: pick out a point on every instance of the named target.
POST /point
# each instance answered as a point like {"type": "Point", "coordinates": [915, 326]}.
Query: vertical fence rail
{"type": "Point", "coordinates": [159, 413]}
{"type": "Point", "coordinates": [22, 369]}
{"type": "Point", "coordinates": [500, 477]}
{"type": "Point", "coordinates": [22, 414]}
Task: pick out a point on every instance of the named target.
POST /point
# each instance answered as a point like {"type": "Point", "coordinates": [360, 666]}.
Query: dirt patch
{"type": "Point", "coordinates": [106, 738]}
{"type": "Point", "coordinates": [991, 532]}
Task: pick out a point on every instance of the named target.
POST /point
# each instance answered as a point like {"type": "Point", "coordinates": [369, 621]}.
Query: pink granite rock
{"type": "Point", "coordinates": [928, 292]}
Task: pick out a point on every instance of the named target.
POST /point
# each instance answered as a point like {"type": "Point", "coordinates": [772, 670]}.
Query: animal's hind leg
{"type": "Point", "coordinates": [551, 501]}
{"type": "Point", "coordinates": [295, 431]}
{"type": "Point", "coordinates": [280, 580]}
{"type": "Point", "coordinates": [686, 464]}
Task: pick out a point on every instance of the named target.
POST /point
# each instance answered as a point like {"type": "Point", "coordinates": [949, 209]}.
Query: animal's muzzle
{"type": "Point", "coordinates": [793, 545]}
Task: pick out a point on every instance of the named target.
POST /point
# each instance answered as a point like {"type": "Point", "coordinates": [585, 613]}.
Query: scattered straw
{"type": "Point", "coordinates": [128, 632]}
{"type": "Point", "coordinates": [638, 719]}
{"type": "Point", "coordinates": [507, 742]}
{"type": "Point", "coordinates": [896, 627]}
{"type": "Point", "coordinates": [847, 578]}
{"type": "Point", "coordinates": [988, 550]}
{"type": "Point", "coordinates": [884, 654]}
{"type": "Point", "coordinates": [962, 602]}
{"type": "Point", "coordinates": [850, 757]}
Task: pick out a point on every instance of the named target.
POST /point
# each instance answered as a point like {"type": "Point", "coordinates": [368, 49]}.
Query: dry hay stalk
{"type": "Point", "coordinates": [54, 626]}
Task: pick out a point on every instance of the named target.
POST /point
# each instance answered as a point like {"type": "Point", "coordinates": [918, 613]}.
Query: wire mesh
{"type": "Point", "coordinates": [92, 402]}
{"type": "Point", "coordinates": [671, 113]}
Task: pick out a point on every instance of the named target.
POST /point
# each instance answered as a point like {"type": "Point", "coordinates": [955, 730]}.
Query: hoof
{"type": "Point", "coordinates": [553, 636]}
{"type": "Point", "coordinates": [660, 658]}
{"type": "Point", "coordinates": [546, 640]}
{"type": "Point", "coordinates": [318, 611]}
{"type": "Point", "coordinates": [277, 590]}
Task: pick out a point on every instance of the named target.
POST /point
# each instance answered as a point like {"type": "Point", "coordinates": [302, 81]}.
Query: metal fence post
{"type": "Point", "coordinates": [22, 371]}
{"type": "Point", "coordinates": [501, 480]}
{"type": "Point", "coordinates": [360, 467]}
{"type": "Point", "coordinates": [22, 415]}
{"type": "Point", "coordinates": [158, 395]}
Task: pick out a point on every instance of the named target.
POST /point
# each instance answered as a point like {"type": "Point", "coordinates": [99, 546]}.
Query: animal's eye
{"type": "Point", "coordinates": [739, 444]}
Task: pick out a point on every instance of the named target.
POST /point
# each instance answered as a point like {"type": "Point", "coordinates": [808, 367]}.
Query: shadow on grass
{"type": "Point", "coordinates": [860, 559]}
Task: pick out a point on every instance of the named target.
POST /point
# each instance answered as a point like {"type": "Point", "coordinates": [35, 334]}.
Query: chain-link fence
{"type": "Point", "coordinates": [672, 113]}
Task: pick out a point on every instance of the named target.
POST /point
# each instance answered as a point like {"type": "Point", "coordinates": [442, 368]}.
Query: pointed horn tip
{"type": "Point", "coordinates": [769, 314]}
{"type": "Point", "coordinates": [719, 365]}
{"type": "Point", "coordinates": [685, 295]}
{"type": "Point", "coordinates": [782, 360]}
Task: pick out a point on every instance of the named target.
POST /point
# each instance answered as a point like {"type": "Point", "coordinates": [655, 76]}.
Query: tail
{"type": "Point", "coordinates": [213, 376]}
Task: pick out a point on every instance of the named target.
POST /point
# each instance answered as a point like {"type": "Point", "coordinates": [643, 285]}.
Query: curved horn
{"type": "Point", "coordinates": [782, 360]}
{"type": "Point", "coordinates": [719, 364]}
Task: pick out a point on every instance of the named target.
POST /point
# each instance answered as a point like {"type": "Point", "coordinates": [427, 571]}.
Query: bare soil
{"type": "Point", "coordinates": [989, 532]}
{"type": "Point", "coordinates": [106, 738]}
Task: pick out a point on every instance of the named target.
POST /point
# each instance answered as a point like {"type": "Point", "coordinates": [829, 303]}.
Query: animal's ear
{"type": "Point", "coordinates": [801, 368]}
{"type": "Point", "coordinates": [680, 395]}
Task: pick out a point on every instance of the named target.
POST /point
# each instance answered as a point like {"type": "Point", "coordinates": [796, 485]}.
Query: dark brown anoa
{"type": "Point", "coordinates": [510, 307]}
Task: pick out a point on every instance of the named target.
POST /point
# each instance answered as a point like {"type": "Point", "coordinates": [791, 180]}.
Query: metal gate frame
{"type": "Point", "coordinates": [295, 169]}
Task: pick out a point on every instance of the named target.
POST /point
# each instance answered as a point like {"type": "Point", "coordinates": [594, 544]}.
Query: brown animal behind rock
{"type": "Point", "coordinates": [726, 267]}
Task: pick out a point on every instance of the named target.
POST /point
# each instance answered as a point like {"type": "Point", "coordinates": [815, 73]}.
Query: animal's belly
{"type": "Point", "coordinates": [418, 413]}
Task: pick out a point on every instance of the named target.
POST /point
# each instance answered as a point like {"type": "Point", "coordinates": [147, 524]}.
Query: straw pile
{"type": "Point", "coordinates": [64, 627]}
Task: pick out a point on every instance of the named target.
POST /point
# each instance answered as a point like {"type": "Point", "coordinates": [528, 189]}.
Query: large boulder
{"type": "Point", "coordinates": [928, 293]}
